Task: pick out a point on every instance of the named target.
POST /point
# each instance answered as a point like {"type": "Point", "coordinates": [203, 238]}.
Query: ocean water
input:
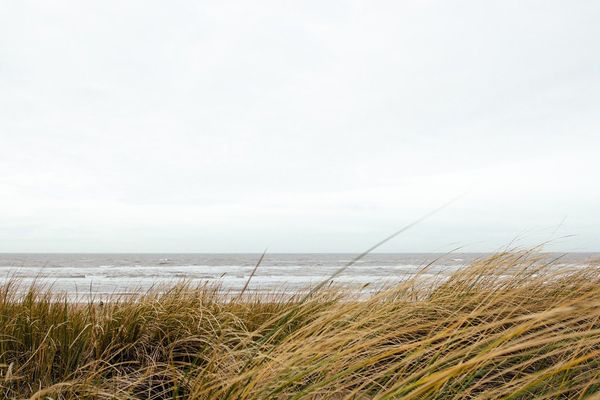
{"type": "Point", "coordinates": [106, 274]}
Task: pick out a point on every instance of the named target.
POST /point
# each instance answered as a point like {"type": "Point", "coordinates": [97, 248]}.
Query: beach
{"type": "Point", "coordinates": [509, 325]}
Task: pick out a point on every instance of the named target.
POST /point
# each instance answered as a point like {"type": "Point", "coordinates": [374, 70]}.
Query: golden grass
{"type": "Point", "coordinates": [509, 327]}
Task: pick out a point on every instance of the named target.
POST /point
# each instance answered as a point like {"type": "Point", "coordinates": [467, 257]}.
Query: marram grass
{"type": "Point", "coordinates": [507, 327]}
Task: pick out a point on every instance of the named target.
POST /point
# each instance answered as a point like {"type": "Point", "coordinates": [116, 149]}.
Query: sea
{"type": "Point", "coordinates": [124, 274]}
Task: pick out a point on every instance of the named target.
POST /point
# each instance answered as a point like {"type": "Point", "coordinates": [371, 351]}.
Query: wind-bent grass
{"type": "Point", "coordinates": [510, 326]}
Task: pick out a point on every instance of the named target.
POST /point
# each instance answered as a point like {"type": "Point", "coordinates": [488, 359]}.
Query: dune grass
{"type": "Point", "coordinates": [511, 326]}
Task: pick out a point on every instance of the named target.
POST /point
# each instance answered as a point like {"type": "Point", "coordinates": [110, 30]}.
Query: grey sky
{"type": "Point", "coordinates": [299, 126]}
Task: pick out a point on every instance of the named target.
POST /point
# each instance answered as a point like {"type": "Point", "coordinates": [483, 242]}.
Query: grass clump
{"type": "Point", "coordinates": [511, 326]}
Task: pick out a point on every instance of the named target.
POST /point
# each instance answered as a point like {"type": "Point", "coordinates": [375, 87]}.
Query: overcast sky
{"type": "Point", "coordinates": [301, 126]}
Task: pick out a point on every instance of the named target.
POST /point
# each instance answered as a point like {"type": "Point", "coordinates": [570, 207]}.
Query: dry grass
{"type": "Point", "coordinates": [506, 327]}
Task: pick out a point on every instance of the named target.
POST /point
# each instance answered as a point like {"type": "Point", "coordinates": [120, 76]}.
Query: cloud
{"type": "Point", "coordinates": [143, 126]}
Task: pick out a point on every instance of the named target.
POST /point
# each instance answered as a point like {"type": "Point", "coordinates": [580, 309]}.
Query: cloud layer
{"type": "Point", "coordinates": [298, 126]}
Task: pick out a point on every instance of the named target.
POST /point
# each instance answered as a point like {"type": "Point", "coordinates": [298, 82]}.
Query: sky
{"type": "Point", "coordinates": [312, 126]}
